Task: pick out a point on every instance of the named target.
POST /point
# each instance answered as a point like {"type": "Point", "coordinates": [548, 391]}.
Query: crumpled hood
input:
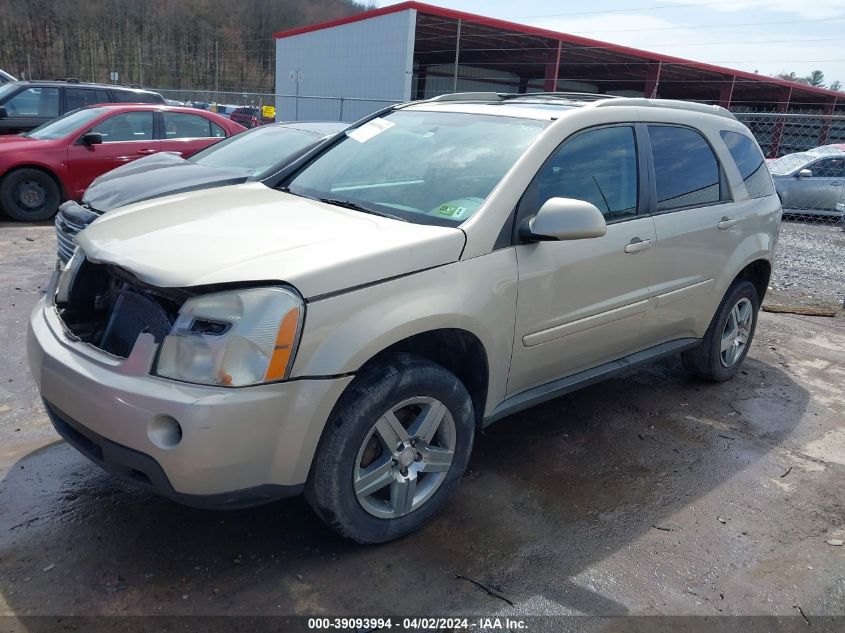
{"type": "Point", "coordinates": [153, 176]}
{"type": "Point", "coordinates": [250, 232]}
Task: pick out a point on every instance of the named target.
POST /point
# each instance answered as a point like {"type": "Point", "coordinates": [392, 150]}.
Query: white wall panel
{"type": "Point", "coordinates": [369, 59]}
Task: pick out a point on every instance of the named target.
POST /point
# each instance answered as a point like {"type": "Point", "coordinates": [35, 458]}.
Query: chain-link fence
{"type": "Point", "coordinates": [806, 155]}
{"type": "Point", "coordinates": [278, 107]}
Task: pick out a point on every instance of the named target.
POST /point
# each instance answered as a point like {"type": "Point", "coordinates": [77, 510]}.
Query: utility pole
{"type": "Point", "coordinates": [28, 67]}
{"type": "Point", "coordinates": [140, 69]}
{"type": "Point", "coordinates": [93, 75]}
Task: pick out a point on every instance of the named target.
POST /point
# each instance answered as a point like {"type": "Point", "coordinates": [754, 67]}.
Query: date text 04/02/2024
{"type": "Point", "coordinates": [417, 624]}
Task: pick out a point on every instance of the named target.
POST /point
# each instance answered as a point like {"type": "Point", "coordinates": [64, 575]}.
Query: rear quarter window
{"type": "Point", "coordinates": [750, 163]}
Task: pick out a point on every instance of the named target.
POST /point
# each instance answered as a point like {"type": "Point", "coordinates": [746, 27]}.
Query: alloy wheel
{"type": "Point", "coordinates": [737, 332]}
{"type": "Point", "coordinates": [404, 457]}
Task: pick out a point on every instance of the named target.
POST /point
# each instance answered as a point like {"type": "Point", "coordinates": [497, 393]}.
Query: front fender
{"type": "Point", "coordinates": [344, 331]}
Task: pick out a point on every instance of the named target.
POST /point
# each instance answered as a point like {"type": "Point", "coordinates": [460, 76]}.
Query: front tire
{"type": "Point", "coordinates": [728, 337]}
{"type": "Point", "coordinates": [393, 451]}
{"type": "Point", "coordinates": [29, 195]}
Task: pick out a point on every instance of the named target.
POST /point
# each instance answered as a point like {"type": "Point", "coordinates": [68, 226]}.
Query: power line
{"type": "Point", "coordinates": [814, 39]}
{"type": "Point", "coordinates": [721, 25]}
{"type": "Point", "coordinates": [626, 10]}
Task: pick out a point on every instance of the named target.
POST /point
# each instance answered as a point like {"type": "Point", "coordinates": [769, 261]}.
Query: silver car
{"type": "Point", "coordinates": [812, 182]}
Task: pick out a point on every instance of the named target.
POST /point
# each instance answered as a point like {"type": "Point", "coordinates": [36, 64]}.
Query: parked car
{"type": "Point", "coordinates": [24, 105]}
{"type": "Point", "coordinates": [234, 160]}
{"type": "Point", "coordinates": [345, 327]}
{"type": "Point", "coordinates": [249, 117]}
{"type": "Point", "coordinates": [5, 77]}
{"type": "Point", "coordinates": [811, 182]}
{"type": "Point", "coordinates": [58, 160]}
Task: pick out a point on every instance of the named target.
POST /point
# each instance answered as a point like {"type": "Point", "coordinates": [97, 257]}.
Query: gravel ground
{"type": "Point", "coordinates": [810, 264]}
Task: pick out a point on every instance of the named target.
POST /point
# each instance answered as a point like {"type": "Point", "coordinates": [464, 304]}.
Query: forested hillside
{"type": "Point", "coordinates": [194, 44]}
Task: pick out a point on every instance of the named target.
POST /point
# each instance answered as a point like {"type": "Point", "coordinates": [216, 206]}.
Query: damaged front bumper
{"type": "Point", "coordinates": [234, 447]}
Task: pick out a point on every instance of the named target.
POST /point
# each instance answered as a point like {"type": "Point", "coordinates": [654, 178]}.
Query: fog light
{"type": "Point", "coordinates": [164, 431]}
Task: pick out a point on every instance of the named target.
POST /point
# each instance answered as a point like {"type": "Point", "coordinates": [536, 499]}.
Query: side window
{"type": "Point", "coordinates": [81, 97]}
{"type": "Point", "coordinates": [829, 168]}
{"type": "Point", "coordinates": [750, 163]}
{"type": "Point", "coordinates": [129, 126]}
{"type": "Point", "coordinates": [598, 166]}
{"type": "Point", "coordinates": [686, 171]}
{"type": "Point", "coordinates": [181, 125]}
{"type": "Point", "coordinates": [217, 131]}
{"type": "Point", "coordinates": [39, 102]}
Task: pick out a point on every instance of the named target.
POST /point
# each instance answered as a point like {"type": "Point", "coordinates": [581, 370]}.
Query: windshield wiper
{"type": "Point", "coordinates": [349, 204]}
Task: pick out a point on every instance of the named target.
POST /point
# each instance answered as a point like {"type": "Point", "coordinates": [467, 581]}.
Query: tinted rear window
{"type": "Point", "coordinates": [686, 171]}
{"type": "Point", "coordinates": [750, 163]}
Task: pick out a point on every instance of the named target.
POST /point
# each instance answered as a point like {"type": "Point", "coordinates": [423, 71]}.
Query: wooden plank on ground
{"type": "Point", "coordinates": [802, 310]}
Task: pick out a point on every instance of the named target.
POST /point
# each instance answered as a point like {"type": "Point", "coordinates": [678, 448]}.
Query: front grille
{"type": "Point", "coordinates": [70, 220]}
{"type": "Point", "coordinates": [108, 308]}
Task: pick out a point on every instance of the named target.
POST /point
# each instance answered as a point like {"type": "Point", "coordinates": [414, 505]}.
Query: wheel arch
{"type": "Point", "coordinates": [758, 272]}
{"type": "Point", "coordinates": [455, 349]}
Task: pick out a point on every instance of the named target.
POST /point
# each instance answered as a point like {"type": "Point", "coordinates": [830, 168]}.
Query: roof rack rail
{"type": "Point", "coordinates": [690, 106]}
{"type": "Point", "coordinates": [571, 96]}
{"type": "Point", "coordinates": [467, 96]}
{"type": "Point", "coordinates": [507, 96]}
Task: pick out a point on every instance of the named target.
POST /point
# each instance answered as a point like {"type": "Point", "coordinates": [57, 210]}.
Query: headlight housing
{"type": "Point", "coordinates": [233, 339]}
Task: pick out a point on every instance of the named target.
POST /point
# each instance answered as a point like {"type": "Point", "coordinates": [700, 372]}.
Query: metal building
{"type": "Point", "coordinates": [350, 67]}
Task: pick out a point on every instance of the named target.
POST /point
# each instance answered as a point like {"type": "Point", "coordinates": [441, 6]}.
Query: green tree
{"type": "Point", "coordinates": [815, 78]}
{"type": "Point", "coordinates": [791, 76]}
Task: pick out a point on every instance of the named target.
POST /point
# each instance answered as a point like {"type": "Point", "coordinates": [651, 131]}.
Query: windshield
{"type": "Point", "coordinates": [5, 89]}
{"type": "Point", "coordinates": [66, 124]}
{"type": "Point", "coordinates": [257, 150]}
{"type": "Point", "coordinates": [424, 167]}
{"type": "Point", "coordinates": [789, 163]}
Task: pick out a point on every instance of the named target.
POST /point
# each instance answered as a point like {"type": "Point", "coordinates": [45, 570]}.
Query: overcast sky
{"type": "Point", "coordinates": [768, 36]}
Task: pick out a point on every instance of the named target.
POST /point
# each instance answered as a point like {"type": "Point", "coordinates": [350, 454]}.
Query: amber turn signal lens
{"type": "Point", "coordinates": [278, 365]}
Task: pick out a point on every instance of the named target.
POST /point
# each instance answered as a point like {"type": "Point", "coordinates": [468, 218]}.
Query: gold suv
{"type": "Point", "coordinates": [344, 327]}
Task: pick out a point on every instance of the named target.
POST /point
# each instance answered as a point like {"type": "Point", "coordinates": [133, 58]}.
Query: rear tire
{"type": "Point", "coordinates": [29, 195]}
{"type": "Point", "coordinates": [373, 481]}
{"type": "Point", "coordinates": [728, 337]}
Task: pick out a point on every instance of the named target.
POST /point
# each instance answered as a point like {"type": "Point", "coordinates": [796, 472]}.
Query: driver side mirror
{"type": "Point", "coordinates": [564, 219]}
{"type": "Point", "coordinates": [805, 173]}
{"type": "Point", "coordinates": [3, 112]}
{"type": "Point", "coordinates": [92, 138]}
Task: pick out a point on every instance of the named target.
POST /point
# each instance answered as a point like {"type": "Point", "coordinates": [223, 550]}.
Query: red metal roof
{"type": "Point", "coordinates": [563, 37]}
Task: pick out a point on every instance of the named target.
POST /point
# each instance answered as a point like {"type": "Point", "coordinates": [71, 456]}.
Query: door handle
{"type": "Point", "coordinates": [636, 245]}
{"type": "Point", "coordinates": [146, 151]}
{"type": "Point", "coordinates": [725, 223]}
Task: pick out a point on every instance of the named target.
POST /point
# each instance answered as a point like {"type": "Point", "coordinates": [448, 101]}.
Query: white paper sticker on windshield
{"type": "Point", "coordinates": [370, 129]}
